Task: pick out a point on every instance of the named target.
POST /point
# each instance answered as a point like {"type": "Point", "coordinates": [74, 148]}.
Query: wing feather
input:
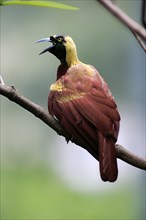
{"type": "Point", "coordinates": [95, 117]}
{"type": "Point", "coordinates": [80, 128]}
{"type": "Point", "coordinates": [86, 108]}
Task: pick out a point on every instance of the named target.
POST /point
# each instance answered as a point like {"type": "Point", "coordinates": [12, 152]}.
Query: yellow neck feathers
{"type": "Point", "coordinates": [71, 52]}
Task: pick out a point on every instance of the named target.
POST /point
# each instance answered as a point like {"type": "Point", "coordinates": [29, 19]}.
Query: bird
{"type": "Point", "coordinates": [82, 102]}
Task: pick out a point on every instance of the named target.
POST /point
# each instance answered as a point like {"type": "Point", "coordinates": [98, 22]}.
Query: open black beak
{"type": "Point", "coordinates": [45, 40]}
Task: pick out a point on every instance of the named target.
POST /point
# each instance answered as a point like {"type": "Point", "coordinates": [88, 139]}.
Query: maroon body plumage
{"type": "Point", "coordinates": [82, 102]}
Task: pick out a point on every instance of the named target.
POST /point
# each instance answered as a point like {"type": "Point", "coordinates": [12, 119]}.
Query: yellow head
{"type": "Point", "coordinates": [63, 47]}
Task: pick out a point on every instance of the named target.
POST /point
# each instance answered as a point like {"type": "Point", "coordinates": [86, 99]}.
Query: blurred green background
{"type": "Point", "coordinates": [42, 177]}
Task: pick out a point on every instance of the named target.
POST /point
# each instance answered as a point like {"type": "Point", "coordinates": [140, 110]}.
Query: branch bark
{"type": "Point", "coordinates": [138, 31]}
{"type": "Point", "coordinates": [12, 94]}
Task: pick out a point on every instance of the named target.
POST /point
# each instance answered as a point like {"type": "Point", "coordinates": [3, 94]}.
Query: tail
{"type": "Point", "coordinates": [107, 158]}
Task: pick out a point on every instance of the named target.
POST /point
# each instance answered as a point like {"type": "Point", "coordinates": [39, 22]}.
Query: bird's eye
{"type": "Point", "coordinates": [59, 39]}
{"type": "Point", "coordinates": [54, 43]}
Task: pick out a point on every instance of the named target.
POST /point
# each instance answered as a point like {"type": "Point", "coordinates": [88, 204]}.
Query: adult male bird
{"type": "Point", "coordinates": [82, 102]}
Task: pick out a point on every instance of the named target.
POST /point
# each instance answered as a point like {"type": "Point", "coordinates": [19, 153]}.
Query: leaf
{"type": "Point", "coordinates": [50, 4]}
{"type": "Point", "coordinates": [1, 2]}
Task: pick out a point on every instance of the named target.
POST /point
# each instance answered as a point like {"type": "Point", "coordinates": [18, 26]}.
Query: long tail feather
{"type": "Point", "coordinates": [107, 158]}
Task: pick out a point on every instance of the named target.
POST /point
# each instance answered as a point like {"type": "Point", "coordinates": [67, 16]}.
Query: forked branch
{"type": "Point", "coordinates": [138, 31]}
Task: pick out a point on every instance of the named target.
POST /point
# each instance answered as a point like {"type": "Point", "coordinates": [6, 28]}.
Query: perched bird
{"type": "Point", "coordinates": [83, 104]}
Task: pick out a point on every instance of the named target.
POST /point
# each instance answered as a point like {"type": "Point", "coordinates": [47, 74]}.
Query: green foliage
{"type": "Point", "coordinates": [50, 4]}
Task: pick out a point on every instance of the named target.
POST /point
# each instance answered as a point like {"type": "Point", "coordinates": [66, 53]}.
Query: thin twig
{"type": "Point", "coordinates": [140, 41]}
{"type": "Point", "coordinates": [13, 94]}
{"type": "Point", "coordinates": [137, 29]}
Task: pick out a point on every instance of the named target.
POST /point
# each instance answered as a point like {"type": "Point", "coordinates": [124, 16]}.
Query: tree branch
{"type": "Point", "coordinates": [128, 157]}
{"type": "Point", "coordinates": [13, 94]}
{"type": "Point", "coordinates": [138, 31]}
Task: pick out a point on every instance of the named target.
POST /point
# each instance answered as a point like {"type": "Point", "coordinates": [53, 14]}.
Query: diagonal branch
{"type": "Point", "coordinates": [139, 40]}
{"type": "Point", "coordinates": [138, 30]}
{"type": "Point", "coordinates": [128, 157]}
{"type": "Point", "coordinates": [13, 94]}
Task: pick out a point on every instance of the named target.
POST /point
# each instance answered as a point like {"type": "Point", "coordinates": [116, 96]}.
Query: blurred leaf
{"type": "Point", "coordinates": [50, 4]}
{"type": "Point", "coordinates": [1, 2]}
